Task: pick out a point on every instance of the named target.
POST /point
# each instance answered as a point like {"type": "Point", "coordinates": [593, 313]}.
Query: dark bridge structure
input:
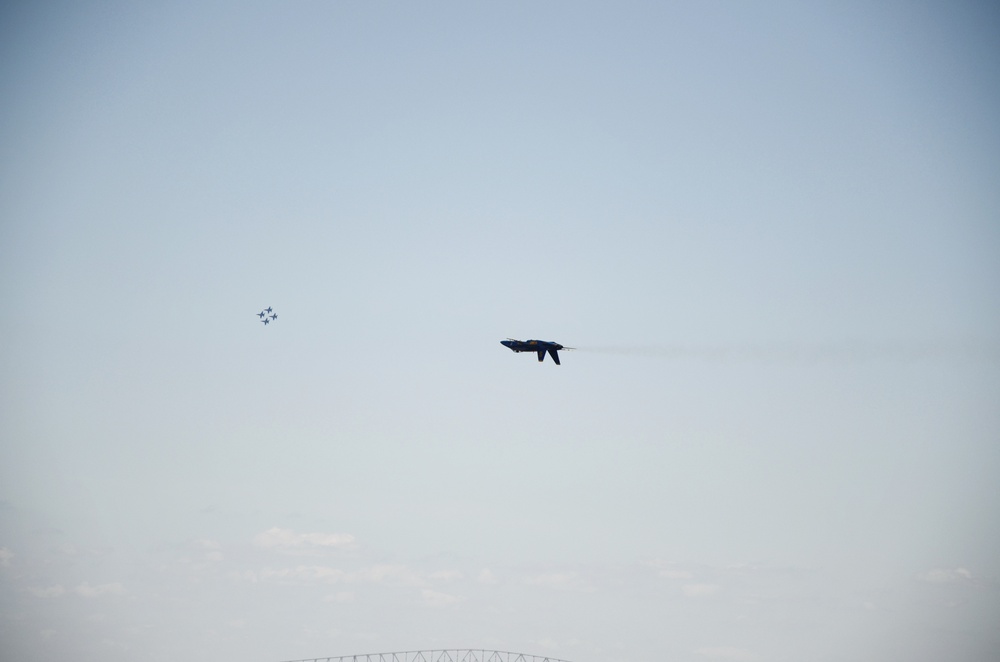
{"type": "Point", "coordinates": [443, 655]}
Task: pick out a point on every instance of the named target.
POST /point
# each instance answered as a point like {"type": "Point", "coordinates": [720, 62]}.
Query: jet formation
{"type": "Point", "coordinates": [539, 346]}
{"type": "Point", "coordinates": [267, 316]}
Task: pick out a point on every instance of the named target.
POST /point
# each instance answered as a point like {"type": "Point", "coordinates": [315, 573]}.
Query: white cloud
{"type": "Point", "coordinates": [213, 550]}
{"type": "Point", "coordinates": [112, 643]}
{"type": "Point", "coordinates": [87, 591]}
{"type": "Point", "coordinates": [48, 592]}
{"type": "Point", "coordinates": [383, 574]}
{"type": "Point", "coordinates": [246, 575]}
{"type": "Point", "coordinates": [305, 573]}
{"type": "Point", "coordinates": [288, 541]}
{"type": "Point", "coordinates": [486, 576]}
{"type": "Point", "coordinates": [564, 581]}
{"type": "Point", "coordinates": [945, 576]}
{"type": "Point", "coordinates": [727, 653]}
{"type": "Point", "coordinates": [391, 574]}
{"type": "Point", "coordinates": [436, 599]}
{"type": "Point", "coordinates": [700, 590]}
{"type": "Point", "coordinates": [447, 575]}
{"type": "Point", "coordinates": [84, 590]}
{"type": "Point", "coordinates": [5, 557]}
{"type": "Point", "coordinates": [669, 570]}
{"type": "Point", "coordinates": [340, 596]}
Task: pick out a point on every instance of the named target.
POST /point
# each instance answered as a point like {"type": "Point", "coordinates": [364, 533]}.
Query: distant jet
{"type": "Point", "coordinates": [266, 316]}
{"type": "Point", "coordinates": [540, 346]}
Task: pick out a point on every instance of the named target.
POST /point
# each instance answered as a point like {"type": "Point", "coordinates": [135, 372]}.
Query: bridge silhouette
{"type": "Point", "coordinates": [438, 655]}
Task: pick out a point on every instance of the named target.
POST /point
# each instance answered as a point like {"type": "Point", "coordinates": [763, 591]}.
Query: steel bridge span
{"type": "Point", "coordinates": [442, 655]}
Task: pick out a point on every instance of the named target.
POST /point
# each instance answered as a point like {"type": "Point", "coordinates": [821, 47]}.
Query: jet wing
{"type": "Point", "coordinates": [554, 354]}
{"type": "Point", "coordinates": [541, 355]}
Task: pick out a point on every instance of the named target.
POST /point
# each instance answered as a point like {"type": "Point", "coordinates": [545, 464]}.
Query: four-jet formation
{"type": "Point", "coordinates": [266, 316]}
{"type": "Point", "coordinates": [540, 346]}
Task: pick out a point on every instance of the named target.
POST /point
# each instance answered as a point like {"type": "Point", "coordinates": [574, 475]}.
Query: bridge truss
{"type": "Point", "coordinates": [443, 655]}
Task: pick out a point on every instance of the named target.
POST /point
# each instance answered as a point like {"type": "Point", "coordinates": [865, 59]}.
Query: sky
{"type": "Point", "coordinates": [771, 231]}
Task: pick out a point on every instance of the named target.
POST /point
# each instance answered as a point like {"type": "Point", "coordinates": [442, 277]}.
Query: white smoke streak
{"type": "Point", "coordinates": [855, 351]}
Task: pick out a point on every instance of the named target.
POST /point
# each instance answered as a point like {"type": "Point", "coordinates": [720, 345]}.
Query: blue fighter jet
{"type": "Point", "coordinates": [267, 316]}
{"type": "Point", "coordinates": [540, 346]}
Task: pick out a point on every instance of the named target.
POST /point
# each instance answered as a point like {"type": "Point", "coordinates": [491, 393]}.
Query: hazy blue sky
{"type": "Point", "coordinates": [772, 230]}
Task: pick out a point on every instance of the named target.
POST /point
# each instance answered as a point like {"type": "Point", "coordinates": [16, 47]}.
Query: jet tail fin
{"type": "Point", "coordinates": [554, 354]}
{"type": "Point", "coordinates": [541, 355]}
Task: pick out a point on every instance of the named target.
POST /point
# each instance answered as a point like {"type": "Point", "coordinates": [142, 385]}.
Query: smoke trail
{"type": "Point", "coordinates": [854, 351]}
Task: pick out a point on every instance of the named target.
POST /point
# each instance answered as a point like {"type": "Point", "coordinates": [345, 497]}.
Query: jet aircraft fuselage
{"type": "Point", "coordinates": [539, 346]}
